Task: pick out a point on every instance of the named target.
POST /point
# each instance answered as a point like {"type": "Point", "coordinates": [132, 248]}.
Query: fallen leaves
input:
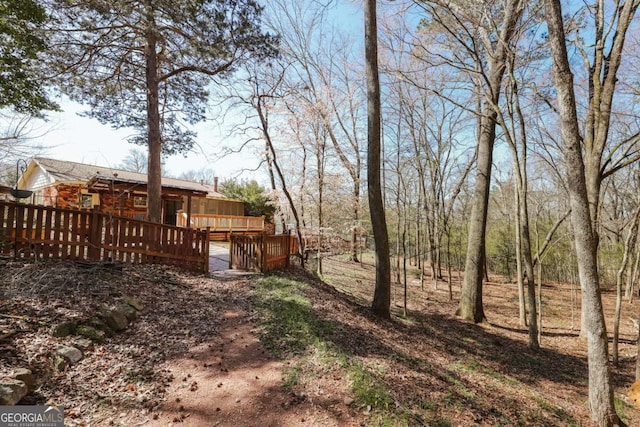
{"type": "Point", "coordinates": [129, 374]}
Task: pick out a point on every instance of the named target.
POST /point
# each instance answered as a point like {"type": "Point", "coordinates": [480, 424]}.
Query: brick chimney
{"type": "Point", "coordinates": [215, 184]}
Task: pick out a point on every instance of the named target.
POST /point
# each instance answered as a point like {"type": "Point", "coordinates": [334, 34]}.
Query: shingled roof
{"type": "Point", "coordinates": [65, 171]}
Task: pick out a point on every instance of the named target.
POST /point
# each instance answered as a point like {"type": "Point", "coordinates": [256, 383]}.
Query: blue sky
{"type": "Point", "coordinates": [69, 136]}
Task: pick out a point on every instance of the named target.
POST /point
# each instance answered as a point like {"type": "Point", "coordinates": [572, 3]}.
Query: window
{"type": "Point", "coordinates": [140, 201]}
{"type": "Point", "coordinates": [86, 201]}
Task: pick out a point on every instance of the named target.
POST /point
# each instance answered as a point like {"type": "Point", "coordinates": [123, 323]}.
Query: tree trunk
{"type": "Point", "coordinates": [272, 180]}
{"type": "Point", "coordinates": [629, 244]}
{"type": "Point", "coordinates": [528, 267]}
{"type": "Point", "coordinates": [382, 296]}
{"type": "Point", "coordinates": [264, 123]}
{"type": "Point", "coordinates": [470, 307]}
{"type": "Point", "coordinates": [154, 173]}
{"type": "Point", "coordinates": [600, 388]}
{"type": "Point", "coordinates": [522, 308]}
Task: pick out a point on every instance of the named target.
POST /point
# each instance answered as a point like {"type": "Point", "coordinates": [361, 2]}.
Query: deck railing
{"type": "Point", "coordinates": [227, 223]}
{"type": "Point", "coordinates": [43, 232]}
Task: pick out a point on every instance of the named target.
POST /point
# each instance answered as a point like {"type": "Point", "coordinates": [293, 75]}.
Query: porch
{"type": "Point", "coordinates": [222, 226]}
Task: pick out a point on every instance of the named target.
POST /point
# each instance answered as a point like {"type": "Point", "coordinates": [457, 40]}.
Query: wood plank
{"type": "Point", "coordinates": [39, 226]}
{"type": "Point", "coordinates": [65, 248]}
{"type": "Point", "coordinates": [48, 233]}
{"type": "Point", "coordinates": [19, 227]}
{"type": "Point", "coordinates": [122, 239]}
{"type": "Point", "coordinates": [29, 232]}
{"type": "Point", "coordinates": [57, 234]}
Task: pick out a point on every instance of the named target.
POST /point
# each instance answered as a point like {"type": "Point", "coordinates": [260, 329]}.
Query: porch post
{"type": "Point", "coordinates": [189, 211]}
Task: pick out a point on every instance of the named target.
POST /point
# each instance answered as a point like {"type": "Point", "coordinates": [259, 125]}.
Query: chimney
{"type": "Point", "coordinates": [215, 184]}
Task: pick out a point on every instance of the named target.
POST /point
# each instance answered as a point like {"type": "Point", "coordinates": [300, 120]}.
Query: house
{"type": "Point", "coordinates": [66, 184]}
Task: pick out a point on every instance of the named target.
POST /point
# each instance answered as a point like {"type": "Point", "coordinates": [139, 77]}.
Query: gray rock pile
{"type": "Point", "coordinates": [107, 322]}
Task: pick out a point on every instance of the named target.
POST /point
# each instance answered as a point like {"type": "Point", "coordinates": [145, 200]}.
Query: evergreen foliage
{"type": "Point", "coordinates": [257, 200]}
{"type": "Point", "coordinates": [21, 85]}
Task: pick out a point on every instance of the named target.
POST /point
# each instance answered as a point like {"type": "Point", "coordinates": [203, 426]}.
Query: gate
{"type": "Point", "coordinates": [261, 253]}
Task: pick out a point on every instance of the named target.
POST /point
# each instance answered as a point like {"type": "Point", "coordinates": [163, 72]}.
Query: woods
{"type": "Point", "coordinates": [491, 137]}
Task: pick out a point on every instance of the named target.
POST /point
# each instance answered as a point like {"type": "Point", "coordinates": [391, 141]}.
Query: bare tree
{"type": "Point", "coordinates": [601, 401]}
{"type": "Point", "coordinates": [473, 29]}
{"type": "Point", "coordinates": [135, 161]}
{"type": "Point", "coordinates": [324, 75]}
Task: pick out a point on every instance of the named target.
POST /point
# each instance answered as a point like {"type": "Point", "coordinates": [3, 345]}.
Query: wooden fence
{"type": "Point", "coordinates": [261, 253]}
{"type": "Point", "coordinates": [43, 232]}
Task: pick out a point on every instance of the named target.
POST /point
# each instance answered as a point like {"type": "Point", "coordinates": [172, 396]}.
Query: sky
{"type": "Point", "coordinates": [68, 136]}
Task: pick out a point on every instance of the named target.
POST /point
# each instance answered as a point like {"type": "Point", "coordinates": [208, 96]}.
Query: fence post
{"type": "Point", "coordinates": [206, 251]}
{"type": "Point", "coordinates": [288, 251]}
{"type": "Point", "coordinates": [263, 252]}
{"type": "Point", "coordinates": [231, 246]}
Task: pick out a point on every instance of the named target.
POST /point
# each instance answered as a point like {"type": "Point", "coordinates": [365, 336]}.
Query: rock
{"type": "Point", "coordinates": [133, 302]}
{"type": "Point", "coordinates": [115, 319]}
{"type": "Point", "coordinates": [64, 329]}
{"type": "Point", "coordinates": [91, 333]}
{"type": "Point", "coordinates": [129, 311]}
{"type": "Point", "coordinates": [102, 326]}
{"type": "Point", "coordinates": [348, 401]}
{"type": "Point", "coordinates": [58, 362]}
{"type": "Point", "coordinates": [26, 376]}
{"type": "Point", "coordinates": [71, 354]}
{"type": "Point", "coordinates": [83, 344]}
{"type": "Point", "coordinates": [12, 391]}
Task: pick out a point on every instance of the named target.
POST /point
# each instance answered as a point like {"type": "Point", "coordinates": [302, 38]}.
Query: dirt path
{"type": "Point", "coordinates": [232, 381]}
{"type": "Point", "coordinates": [192, 357]}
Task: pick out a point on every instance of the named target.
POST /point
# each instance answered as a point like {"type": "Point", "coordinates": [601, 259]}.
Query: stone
{"type": "Point", "coordinates": [133, 302]}
{"type": "Point", "coordinates": [12, 391]}
{"type": "Point", "coordinates": [83, 344]}
{"type": "Point", "coordinates": [95, 335]}
{"type": "Point", "coordinates": [71, 354]}
{"type": "Point", "coordinates": [26, 376]}
{"type": "Point", "coordinates": [129, 311]}
{"type": "Point", "coordinates": [64, 329]}
{"type": "Point", "coordinates": [58, 362]}
{"type": "Point", "coordinates": [115, 319]}
{"type": "Point", "coordinates": [102, 326]}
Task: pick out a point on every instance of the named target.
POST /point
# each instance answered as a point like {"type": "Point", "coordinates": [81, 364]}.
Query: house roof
{"type": "Point", "coordinates": [65, 171]}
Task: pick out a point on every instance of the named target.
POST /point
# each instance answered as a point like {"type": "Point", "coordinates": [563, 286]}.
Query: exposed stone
{"type": "Point", "coordinates": [71, 354]}
{"type": "Point", "coordinates": [91, 333]}
{"type": "Point", "coordinates": [64, 329]}
{"type": "Point", "coordinates": [26, 376]}
{"type": "Point", "coordinates": [115, 319]}
{"type": "Point", "coordinates": [58, 362]}
{"type": "Point", "coordinates": [133, 302]}
{"type": "Point", "coordinates": [83, 344]}
{"type": "Point", "coordinates": [12, 391]}
{"type": "Point", "coordinates": [129, 311]}
{"type": "Point", "coordinates": [102, 326]}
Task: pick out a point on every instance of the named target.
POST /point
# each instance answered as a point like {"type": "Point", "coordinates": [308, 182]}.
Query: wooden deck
{"type": "Point", "coordinates": [222, 226]}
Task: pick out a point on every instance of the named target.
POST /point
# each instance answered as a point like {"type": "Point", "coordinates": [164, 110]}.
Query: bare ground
{"type": "Point", "coordinates": [193, 357]}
